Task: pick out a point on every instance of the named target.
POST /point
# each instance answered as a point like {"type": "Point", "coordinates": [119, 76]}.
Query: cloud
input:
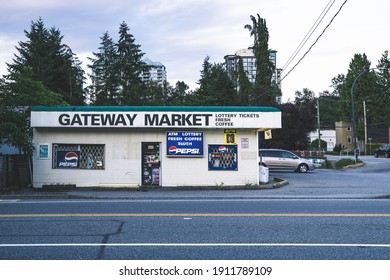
{"type": "Point", "coordinates": [6, 46]}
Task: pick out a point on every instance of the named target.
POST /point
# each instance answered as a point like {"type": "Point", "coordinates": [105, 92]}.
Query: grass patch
{"type": "Point", "coordinates": [345, 162]}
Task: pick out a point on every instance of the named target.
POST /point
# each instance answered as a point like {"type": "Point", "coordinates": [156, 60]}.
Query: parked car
{"type": "Point", "coordinates": [282, 159]}
{"type": "Point", "coordinates": [383, 150]}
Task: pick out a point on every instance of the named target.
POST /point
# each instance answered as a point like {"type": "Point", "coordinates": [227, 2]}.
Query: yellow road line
{"type": "Point", "coordinates": [194, 215]}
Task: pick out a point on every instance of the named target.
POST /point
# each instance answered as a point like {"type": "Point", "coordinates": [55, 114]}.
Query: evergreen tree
{"type": "Point", "coordinates": [178, 94]}
{"type": "Point", "coordinates": [51, 62]}
{"type": "Point", "coordinates": [364, 87]}
{"type": "Point", "coordinates": [264, 67]}
{"type": "Point", "coordinates": [129, 67]}
{"type": "Point", "coordinates": [380, 109]}
{"type": "Point", "coordinates": [216, 87]}
{"type": "Point", "coordinates": [154, 94]}
{"type": "Point", "coordinates": [116, 72]}
{"type": "Point", "coordinates": [104, 80]}
{"type": "Point", "coordinates": [202, 95]}
{"type": "Point", "coordinates": [245, 87]}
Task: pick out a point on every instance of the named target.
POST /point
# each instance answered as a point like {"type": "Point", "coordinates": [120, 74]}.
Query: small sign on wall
{"type": "Point", "coordinates": [230, 136]}
{"type": "Point", "coordinates": [43, 151]}
{"type": "Point", "coordinates": [244, 143]}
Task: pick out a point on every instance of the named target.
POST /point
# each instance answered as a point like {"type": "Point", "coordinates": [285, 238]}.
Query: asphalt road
{"type": "Point", "coordinates": [324, 214]}
{"type": "Point", "coordinates": [195, 229]}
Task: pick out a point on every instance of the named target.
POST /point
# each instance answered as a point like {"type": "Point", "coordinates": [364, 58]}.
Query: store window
{"type": "Point", "coordinates": [222, 157]}
{"type": "Point", "coordinates": [76, 156]}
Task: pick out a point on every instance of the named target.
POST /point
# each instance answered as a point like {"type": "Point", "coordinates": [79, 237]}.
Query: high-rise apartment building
{"type": "Point", "coordinates": [249, 63]}
{"type": "Point", "coordinates": [156, 73]}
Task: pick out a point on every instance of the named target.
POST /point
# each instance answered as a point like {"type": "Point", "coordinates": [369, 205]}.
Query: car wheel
{"type": "Point", "coordinates": [303, 168]}
{"type": "Point", "coordinates": [387, 155]}
{"type": "Point", "coordinates": [375, 155]}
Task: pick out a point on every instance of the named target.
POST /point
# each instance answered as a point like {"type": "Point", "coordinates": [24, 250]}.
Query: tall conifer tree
{"type": "Point", "coordinates": [264, 68]}
{"type": "Point", "coordinates": [129, 68]}
{"type": "Point", "coordinates": [51, 62]}
{"type": "Point", "coordinates": [104, 87]}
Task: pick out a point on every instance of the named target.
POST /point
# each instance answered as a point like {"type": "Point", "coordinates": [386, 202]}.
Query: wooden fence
{"type": "Point", "coordinates": [15, 172]}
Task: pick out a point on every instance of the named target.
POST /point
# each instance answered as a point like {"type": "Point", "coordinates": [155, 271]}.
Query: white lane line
{"type": "Point", "coordinates": [192, 215]}
{"type": "Point", "coordinates": [195, 245]}
{"type": "Point", "coordinates": [9, 200]}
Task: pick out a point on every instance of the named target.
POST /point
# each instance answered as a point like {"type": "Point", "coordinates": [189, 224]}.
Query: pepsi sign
{"type": "Point", "coordinates": [185, 144]}
{"type": "Point", "coordinates": [68, 159]}
{"type": "Point", "coordinates": [222, 149]}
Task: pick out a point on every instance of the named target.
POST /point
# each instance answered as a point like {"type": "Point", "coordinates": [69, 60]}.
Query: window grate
{"type": "Point", "coordinates": [91, 156]}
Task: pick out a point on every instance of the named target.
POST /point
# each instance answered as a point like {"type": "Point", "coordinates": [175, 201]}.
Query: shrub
{"type": "Point", "coordinates": [328, 164]}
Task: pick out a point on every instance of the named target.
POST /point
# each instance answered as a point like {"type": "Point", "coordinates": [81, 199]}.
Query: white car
{"type": "Point", "coordinates": [282, 159]}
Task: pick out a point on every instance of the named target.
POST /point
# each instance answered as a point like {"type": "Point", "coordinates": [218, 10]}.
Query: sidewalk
{"type": "Point", "coordinates": [370, 181]}
{"type": "Point", "coordinates": [148, 193]}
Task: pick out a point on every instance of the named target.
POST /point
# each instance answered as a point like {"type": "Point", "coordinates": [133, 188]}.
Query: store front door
{"type": "Point", "coordinates": [151, 164]}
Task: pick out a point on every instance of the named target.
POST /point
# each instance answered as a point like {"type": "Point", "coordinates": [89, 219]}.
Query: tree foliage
{"type": "Point", "coordinates": [244, 86]}
{"type": "Point", "coordinates": [328, 102]}
{"type": "Point", "coordinates": [116, 72]}
{"type": "Point", "coordinates": [367, 87]}
{"type": "Point", "coordinates": [379, 104]}
{"type": "Point", "coordinates": [49, 61]}
{"type": "Point", "coordinates": [298, 120]}
{"type": "Point", "coordinates": [16, 97]}
{"type": "Point", "coordinates": [104, 81]}
{"type": "Point", "coordinates": [262, 94]}
{"type": "Point", "coordinates": [216, 88]}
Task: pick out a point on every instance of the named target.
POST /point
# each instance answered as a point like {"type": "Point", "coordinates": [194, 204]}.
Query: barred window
{"type": "Point", "coordinates": [222, 157]}
{"type": "Point", "coordinates": [78, 156]}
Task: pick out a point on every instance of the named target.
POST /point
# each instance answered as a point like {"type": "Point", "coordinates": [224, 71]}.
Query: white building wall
{"type": "Point", "coordinates": [329, 136]}
{"type": "Point", "coordinates": [123, 159]}
{"type": "Point", "coordinates": [194, 171]}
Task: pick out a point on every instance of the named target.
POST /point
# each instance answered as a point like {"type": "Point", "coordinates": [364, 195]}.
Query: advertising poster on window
{"type": "Point", "coordinates": [68, 159]}
{"type": "Point", "coordinates": [185, 144]}
{"type": "Point", "coordinates": [222, 157]}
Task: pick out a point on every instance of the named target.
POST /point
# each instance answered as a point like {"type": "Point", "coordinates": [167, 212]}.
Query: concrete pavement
{"type": "Point", "coordinates": [363, 182]}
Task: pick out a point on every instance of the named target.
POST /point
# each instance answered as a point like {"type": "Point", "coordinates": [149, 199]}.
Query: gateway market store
{"type": "Point", "coordinates": [148, 146]}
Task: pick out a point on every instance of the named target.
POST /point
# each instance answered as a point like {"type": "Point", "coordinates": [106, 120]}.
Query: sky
{"type": "Point", "coordinates": [182, 33]}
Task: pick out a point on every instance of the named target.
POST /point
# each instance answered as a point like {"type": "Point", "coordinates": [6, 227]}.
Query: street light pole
{"type": "Point", "coordinates": [356, 150]}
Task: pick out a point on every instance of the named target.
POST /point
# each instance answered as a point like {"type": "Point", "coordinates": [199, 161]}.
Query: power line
{"type": "Point", "coordinates": [326, 27]}
{"type": "Point", "coordinates": [309, 33]}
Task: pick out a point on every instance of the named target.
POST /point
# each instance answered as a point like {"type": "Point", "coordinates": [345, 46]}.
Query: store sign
{"type": "Point", "coordinates": [185, 144]}
{"type": "Point", "coordinates": [157, 119]}
{"type": "Point", "coordinates": [68, 159]}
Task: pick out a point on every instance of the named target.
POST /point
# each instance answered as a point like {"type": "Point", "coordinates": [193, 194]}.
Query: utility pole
{"type": "Point", "coordinates": [318, 124]}
{"type": "Point", "coordinates": [365, 125]}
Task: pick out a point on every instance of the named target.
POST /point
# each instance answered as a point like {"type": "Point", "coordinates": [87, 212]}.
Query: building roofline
{"type": "Point", "coordinates": [155, 109]}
